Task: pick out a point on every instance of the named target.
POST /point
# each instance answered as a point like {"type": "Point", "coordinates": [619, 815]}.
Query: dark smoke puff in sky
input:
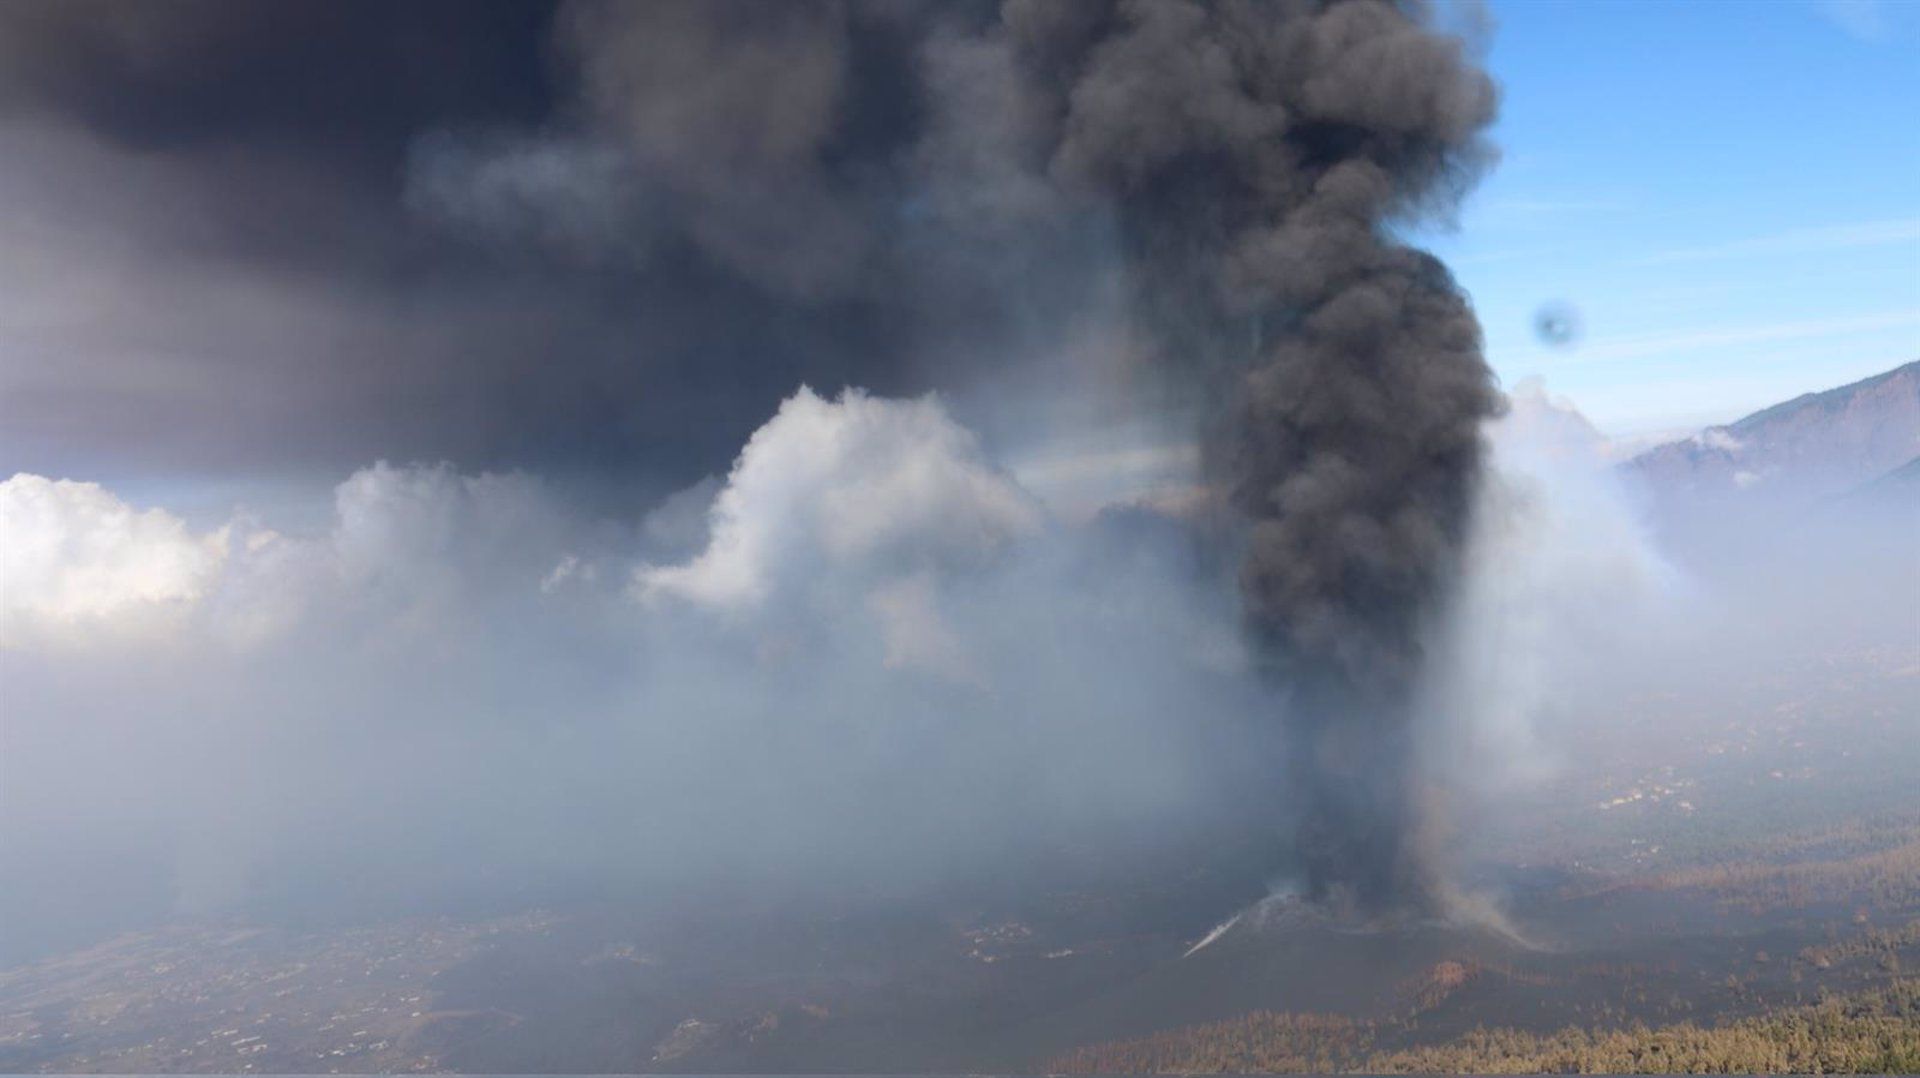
{"type": "Point", "coordinates": [621, 233]}
{"type": "Point", "coordinates": [1557, 324]}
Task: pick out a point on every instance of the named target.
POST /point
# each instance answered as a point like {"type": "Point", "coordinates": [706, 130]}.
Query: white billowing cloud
{"type": "Point", "coordinates": [408, 543]}
{"type": "Point", "coordinates": [423, 526]}
{"type": "Point", "coordinates": [1539, 426]}
{"type": "Point", "coordinates": [1561, 572]}
{"type": "Point", "coordinates": [862, 508]}
{"type": "Point", "coordinates": [900, 625]}
{"type": "Point", "coordinates": [76, 561]}
{"type": "Point", "coordinates": [913, 632]}
{"type": "Point", "coordinates": [852, 512]}
{"type": "Point", "coordinates": [887, 487]}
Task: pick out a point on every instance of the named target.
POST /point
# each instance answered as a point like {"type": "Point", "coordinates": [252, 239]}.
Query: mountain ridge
{"type": "Point", "coordinates": [1814, 445]}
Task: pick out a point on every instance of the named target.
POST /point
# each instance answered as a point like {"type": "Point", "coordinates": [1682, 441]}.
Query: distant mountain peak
{"type": "Point", "coordinates": [1814, 445]}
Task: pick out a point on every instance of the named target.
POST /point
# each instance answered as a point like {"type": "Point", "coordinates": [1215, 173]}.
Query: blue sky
{"type": "Point", "coordinates": [1727, 192]}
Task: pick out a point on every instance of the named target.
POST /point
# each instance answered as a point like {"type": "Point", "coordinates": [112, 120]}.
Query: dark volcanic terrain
{"type": "Point", "coordinates": [1727, 869]}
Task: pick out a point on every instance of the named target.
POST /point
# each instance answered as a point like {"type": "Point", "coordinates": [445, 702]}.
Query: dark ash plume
{"type": "Point", "coordinates": [1258, 153]}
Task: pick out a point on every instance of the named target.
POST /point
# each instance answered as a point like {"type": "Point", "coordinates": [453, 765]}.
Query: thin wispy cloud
{"type": "Point", "coordinates": [1677, 343]}
{"type": "Point", "coordinates": [1492, 258]}
{"type": "Point", "coordinates": [1799, 241]}
{"type": "Point", "coordinates": [1862, 19]}
{"type": "Point", "coordinates": [1551, 207]}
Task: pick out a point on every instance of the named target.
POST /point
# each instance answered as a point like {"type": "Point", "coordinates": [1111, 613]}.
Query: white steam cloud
{"type": "Point", "coordinates": [80, 562]}
{"type": "Point", "coordinates": [460, 682]}
{"type": "Point", "coordinates": [850, 482]}
{"type": "Point", "coordinates": [1562, 570]}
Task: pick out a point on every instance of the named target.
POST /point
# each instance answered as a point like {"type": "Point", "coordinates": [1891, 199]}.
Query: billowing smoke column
{"type": "Point", "coordinates": [1257, 153]}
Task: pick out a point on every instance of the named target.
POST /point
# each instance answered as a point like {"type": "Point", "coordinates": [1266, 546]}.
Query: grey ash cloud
{"type": "Point", "coordinates": [607, 239]}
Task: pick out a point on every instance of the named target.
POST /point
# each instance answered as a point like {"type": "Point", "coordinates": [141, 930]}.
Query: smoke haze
{"type": "Point", "coordinates": [838, 451]}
